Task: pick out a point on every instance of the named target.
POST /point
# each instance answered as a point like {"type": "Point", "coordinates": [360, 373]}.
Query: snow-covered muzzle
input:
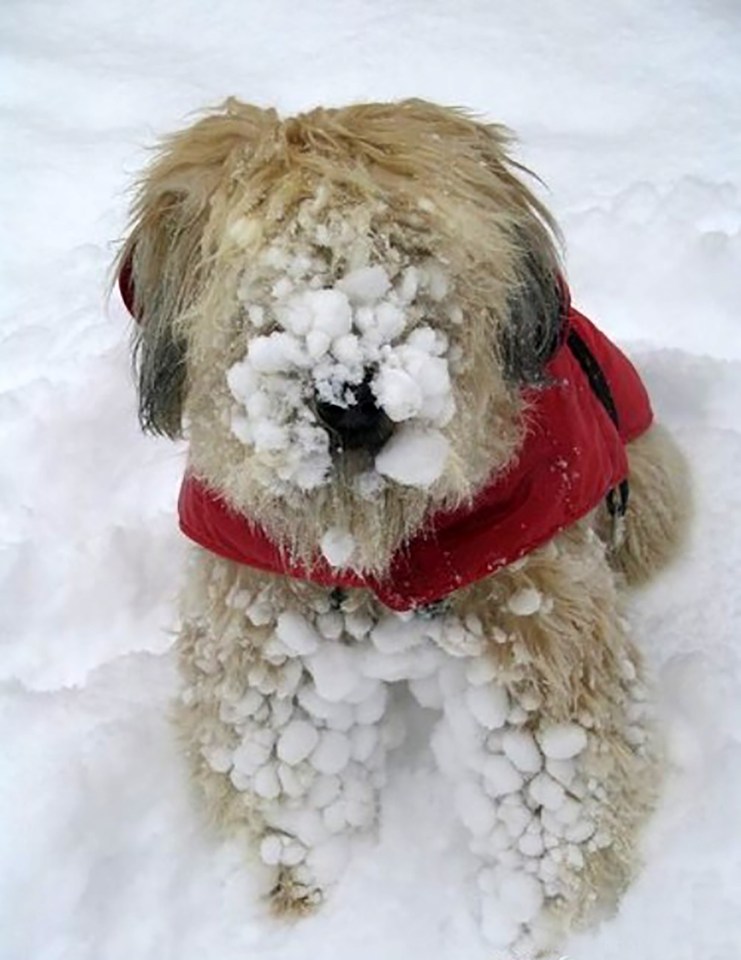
{"type": "Point", "coordinates": [339, 359]}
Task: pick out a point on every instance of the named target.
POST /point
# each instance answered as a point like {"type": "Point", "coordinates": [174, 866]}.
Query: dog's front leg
{"type": "Point", "coordinates": [286, 735]}
{"type": "Point", "coordinates": [548, 738]}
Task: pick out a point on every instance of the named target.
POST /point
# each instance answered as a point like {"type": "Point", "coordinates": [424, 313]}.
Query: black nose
{"type": "Point", "coordinates": [361, 425]}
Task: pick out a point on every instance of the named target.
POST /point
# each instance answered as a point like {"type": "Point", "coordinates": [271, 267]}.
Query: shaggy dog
{"type": "Point", "coordinates": [411, 461]}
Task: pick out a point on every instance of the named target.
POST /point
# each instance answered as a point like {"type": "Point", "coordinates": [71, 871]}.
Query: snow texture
{"type": "Point", "coordinates": [337, 546]}
{"type": "Point", "coordinates": [529, 835]}
{"type": "Point", "coordinates": [104, 855]}
{"type": "Point", "coordinates": [332, 335]}
{"type": "Point", "coordinates": [413, 457]}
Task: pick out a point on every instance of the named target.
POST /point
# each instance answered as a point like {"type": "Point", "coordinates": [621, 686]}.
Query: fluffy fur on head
{"type": "Point", "coordinates": [418, 199]}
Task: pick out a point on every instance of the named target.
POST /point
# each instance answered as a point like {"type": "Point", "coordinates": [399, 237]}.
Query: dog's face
{"type": "Point", "coordinates": [342, 310]}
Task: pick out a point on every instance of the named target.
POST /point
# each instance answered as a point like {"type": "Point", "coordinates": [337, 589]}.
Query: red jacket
{"type": "Point", "coordinates": [573, 454]}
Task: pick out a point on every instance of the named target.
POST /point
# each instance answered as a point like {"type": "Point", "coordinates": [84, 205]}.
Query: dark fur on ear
{"type": "Point", "coordinates": [532, 331]}
{"type": "Point", "coordinates": [536, 325]}
{"type": "Point", "coordinates": [165, 253]}
{"type": "Point", "coordinates": [162, 264]}
{"type": "Point", "coordinates": [160, 361]}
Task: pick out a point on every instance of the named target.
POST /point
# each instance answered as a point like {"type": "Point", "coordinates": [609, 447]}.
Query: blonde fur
{"type": "Point", "coordinates": [659, 510]}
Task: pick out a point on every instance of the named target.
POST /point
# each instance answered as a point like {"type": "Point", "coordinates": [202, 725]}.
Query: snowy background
{"type": "Point", "coordinates": [631, 112]}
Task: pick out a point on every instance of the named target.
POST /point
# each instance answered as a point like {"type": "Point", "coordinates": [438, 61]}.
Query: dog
{"type": "Point", "coordinates": [411, 461]}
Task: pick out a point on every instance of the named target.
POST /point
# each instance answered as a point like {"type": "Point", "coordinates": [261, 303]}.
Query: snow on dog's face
{"type": "Point", "coordinates": [342, 309]}
{"type": "Point", "coordinates": [343, 367]}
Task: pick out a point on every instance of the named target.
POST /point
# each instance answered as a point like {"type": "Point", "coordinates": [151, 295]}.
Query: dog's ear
{"type": "Point", "coordinates": [536, 324]}
{"type": "Point", "coordinates": [533, 328]}
{"type": "Point", "coordinates": [157, 273]}
{"type": "Point", "coordinates": [162, 265]}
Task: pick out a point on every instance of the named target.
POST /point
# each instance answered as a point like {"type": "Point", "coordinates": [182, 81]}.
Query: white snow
{"type": "Point", "coordinates": [372, 707]}
{"type": "Point", "coordinates": [497, 924]}
{"type": "Point", "coordinates": [364, 740]}
{"type": "Point", "coordinates": [489, 705]}
{"type": "Point", "coordinates": [267, 783]}
{"type": "Point", "coordinates": [328, 860]}
{"type": "Point", "coordinates": [501, 776]}
{"type": "Point", "coordinates": [96, 812]}
{"type": "Point", "coordinates": [336, 671]}
{"type": "Point", "coordinates": [271, 849]}
{"type": "Point", "coordinates": [365, 285]}
{"type": "Point", "coordinates": [337, 546]}
{"type": "Point", "coordinates": [296, 742]}
{"type": "Point", "coordinates": [332, 752]}
{"type": "Point", "coordinates": [476, 810]}
{"type": "Point", "coordinates": [522, 895]}
{"type": "Point", "coordinates": [563, 741]}
{"type": "Point", "coordinates": [399, 394]}
{"type": "Point", "coordinates": [546, 792]}
{"type": "Point", "coordinates": [481, 670]}
{"type": "Point", "coordinates": [414, 456]}
{"type": "Point", "coordinates": [521, 748]}
{"type": "Point", "coordinates": [296, 633]}
{"type": "Point", "coordinates": [254, 751]}
{"type": "Point", "coordinates": [324, 790]}
{"type": "Point", "coordinates": [525, 602]}
{"type": "Point", "coordinates": [393, 634]}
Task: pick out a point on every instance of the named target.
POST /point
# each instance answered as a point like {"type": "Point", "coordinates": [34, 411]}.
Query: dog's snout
{"type": "Point", "coordinates": [362, 424]}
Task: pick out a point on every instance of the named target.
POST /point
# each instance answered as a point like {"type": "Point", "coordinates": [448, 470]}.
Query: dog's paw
{"type": "Point", "coordinates": [294, 896]}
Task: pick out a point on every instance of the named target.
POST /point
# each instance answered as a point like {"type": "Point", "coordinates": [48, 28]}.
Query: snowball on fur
{"type": "Point", "coordinates": [414, 456]}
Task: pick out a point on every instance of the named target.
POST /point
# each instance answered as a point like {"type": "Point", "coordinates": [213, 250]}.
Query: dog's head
{"type": "Point", "coordinates": [341, 310]}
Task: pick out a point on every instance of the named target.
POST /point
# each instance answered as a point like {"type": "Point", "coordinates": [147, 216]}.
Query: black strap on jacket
{"type": "Point", "coordinates": [617, 498]}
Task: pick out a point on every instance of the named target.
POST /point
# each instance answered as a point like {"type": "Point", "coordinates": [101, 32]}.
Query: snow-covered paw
{"type": "Point", "coordinates": [294, 894]}
{"type": "Point", "coordinates": [536, 797]}
{"type": "Point", "coordinates": [304, 872]}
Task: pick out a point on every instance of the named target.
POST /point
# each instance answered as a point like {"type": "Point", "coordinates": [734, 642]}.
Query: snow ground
{"type": "Point", "coordinates": [630, 112]}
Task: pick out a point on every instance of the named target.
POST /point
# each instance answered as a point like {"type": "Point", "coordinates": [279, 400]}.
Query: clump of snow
{"type": "Point", "coordinates": [475, 808]}
{"type": "Point", "coordinates": [364, 740]}
{"type": "Point", "coordinates": [393, 634]}
{"type": "Point", "coordinates": [332, 753]}
{"type": "Point", "coordinates": [563, 741]}
{"type": "Point", "coordinates": [414, 380]}
{"type": "Point", "coordinates": [271, 849]}
{"type": "Point", "coordinates": [525, 602]}
{"type": "Point", "coordinates": [521, 748]}
{"type": "Point", "coordinates": [546, 792]}
{"type": "Point", "coordinates": [296, 633]}
{"type": "Point", "coordinates": [522, 895]}
{"type": "Point", "coordinates": [254, 751]}
{"type": "Point", "coordinates": [297, 741]}
{"type": "Point", "coordinates": [414, 456]}
{"type": "Point", "coordinates": [335, 671]}
{"type": "Point", "coordinates": [329, 860]}
{"type": "Point", "coordinates": [366, 285]}
{"type": "Point", "coordinates": [372, 708]}
{"type": "Point", "coordinates": [489, 704]}
{"type": "Point", "coordinates": [481, 670]}
{"type": "Point", "coordinates": [337, 546]}
{"type": "Point", "coordinates": [497, 925]}
{"type": "Point", "coordinates": [501, 776]}
{"type": "Point", "coordinates": [266, 782]}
